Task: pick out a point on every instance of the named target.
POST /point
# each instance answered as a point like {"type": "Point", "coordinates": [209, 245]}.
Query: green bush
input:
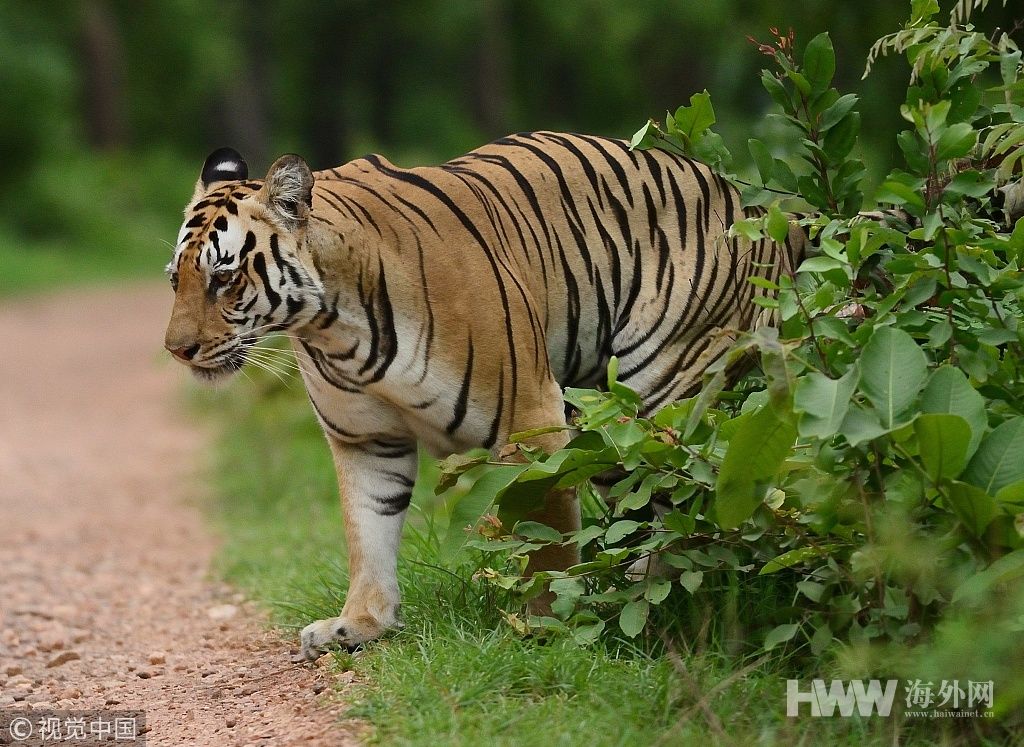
{"type": "Point", "coordinates": [86, 218]}
{"type": "Point", "coordinates": [861, 492]}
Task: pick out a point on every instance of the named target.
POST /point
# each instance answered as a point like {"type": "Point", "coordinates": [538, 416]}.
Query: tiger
{"type": "Point", "coordinates": [448, 306]}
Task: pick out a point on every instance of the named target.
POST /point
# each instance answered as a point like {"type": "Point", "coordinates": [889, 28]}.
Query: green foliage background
{"type": "Point", "coordinates": [110, 106]}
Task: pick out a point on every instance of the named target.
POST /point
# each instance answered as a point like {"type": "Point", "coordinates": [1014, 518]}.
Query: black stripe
{"type": "Point", "coordinates": [293, 274]}
{"type": "Point", "coordinates": [331, 425]}
{"type": "Point", "coordinates": [392, 505]}
{"type": "Point", "coordinates": [433, 190]}
{"type": "Point", "coordinates": [615, 166]}
{"type": "Point", "coordinates": [247, 246]}
{"type": "Point", "coordinates": [383, 336]}
{"type": "Point", "coordinates": [492, 435]}
{"type": "Point", "coordinates": [259, 264]}
{"type": "Point", "coordinates": [462, 401]}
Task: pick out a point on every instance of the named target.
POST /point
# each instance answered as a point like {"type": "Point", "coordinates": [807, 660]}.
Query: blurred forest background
{"type": "Point", "coordinates": [111, 106]}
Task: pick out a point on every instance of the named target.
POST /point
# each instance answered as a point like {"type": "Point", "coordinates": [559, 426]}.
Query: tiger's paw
{"type": "Point", "coordinates": [337, 631]}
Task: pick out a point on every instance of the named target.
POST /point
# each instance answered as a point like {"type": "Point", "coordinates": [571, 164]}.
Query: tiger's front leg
{"type": "Point", "coordinates": [375, 481]}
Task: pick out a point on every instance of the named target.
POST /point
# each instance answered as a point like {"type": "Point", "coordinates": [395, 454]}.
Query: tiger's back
{"type": "Point", "coordinates": [571, 249]}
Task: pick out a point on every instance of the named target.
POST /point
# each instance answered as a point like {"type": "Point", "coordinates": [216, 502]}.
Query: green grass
{"type": "Point", "coordinates": [457, 674]}
{"type": "Point", "coordinates": [33, 266]}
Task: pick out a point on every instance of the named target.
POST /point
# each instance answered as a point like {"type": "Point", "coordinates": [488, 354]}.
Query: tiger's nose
{"type": "Point", "coordinates": [185, 353]}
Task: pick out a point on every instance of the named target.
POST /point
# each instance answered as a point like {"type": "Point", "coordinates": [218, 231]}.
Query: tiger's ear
{"type": "Point", "coordinates": [224, 165]}
{"type": "Point", "coordinates": [288, 190]}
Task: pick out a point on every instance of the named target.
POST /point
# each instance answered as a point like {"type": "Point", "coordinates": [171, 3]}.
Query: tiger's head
{"type": "Point", "coordinates": [240, 270]}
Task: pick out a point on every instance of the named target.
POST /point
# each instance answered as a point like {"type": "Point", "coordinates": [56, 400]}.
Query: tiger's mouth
{"type": "Point", "coordinates": [221, 368]}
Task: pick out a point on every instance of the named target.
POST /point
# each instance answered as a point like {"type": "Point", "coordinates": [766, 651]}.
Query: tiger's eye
{"type": "Point", "coordinates": [174, 281]}
{"type": "Point", "coordinates": [223, 277]}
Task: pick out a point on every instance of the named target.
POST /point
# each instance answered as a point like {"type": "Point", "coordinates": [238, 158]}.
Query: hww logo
{"type": "Point", "coordinates": [824, 700]}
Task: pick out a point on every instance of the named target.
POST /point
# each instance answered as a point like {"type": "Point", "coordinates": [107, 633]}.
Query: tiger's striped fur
{"type": "Point", "coordinates": [448, 305]}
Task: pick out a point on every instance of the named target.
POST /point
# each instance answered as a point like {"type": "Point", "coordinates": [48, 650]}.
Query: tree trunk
{"type": "Point", "coordinates": [246, 98]}
{"type": "Point", "coordinates": [103, 65]}
{"type": "Point", "coordinates": [490, 98]}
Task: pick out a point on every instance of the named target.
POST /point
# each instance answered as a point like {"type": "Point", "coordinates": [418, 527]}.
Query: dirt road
{"type": "Point", "coordinates": [105, 595]}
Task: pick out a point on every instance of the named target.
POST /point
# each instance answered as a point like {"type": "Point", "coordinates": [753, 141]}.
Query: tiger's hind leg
{"type": "Point", "coordinates": [561, 508]}
{"type": "Point", "coordinates": [660, 377]}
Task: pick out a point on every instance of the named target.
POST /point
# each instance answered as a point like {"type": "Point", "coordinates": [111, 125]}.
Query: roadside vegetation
{"type": "Point", "coordinates": [461, 672]}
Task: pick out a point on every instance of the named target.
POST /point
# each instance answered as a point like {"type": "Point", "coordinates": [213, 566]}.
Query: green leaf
{"type": "Point", "coordinates": [795, 557]}
{"type": "Point", "coordinates": [587, 534]}
{"type": "Point", "coordinates": [811, 191]}
{"type": "Point", "coordinates": [839, 141]}
{"type": "Point", "coordinates": [784, 175]}
{"type": "Point", "coordinates": [691, 580]}
{"type": "Point", "coordinates": [480, 497]}
{"type": "Point", "coordinates": [694, 119]}
{"type": "Point", "coordinates": [1005, 569]}
{"type": "Point", "coordinates": [861, 425]}
{"type": "Point", "coordinates": [930, 225]}
{"type": "Point", "coordinates": [942, 441]}
{"type": "Point", "coordinates": [996, 336]}
{"type": "Point", "coordinates": [568, 591]}
{"type": "Point", "coordinates": [644, 137]}
{"type": "Point", "coordinates": [677, 521]}
{"type": "Point", "coordinates": [533, 530]}
{"type": "Point", "coordinates": [657, 591]}
{"type": "Point", "coordinates": [613, 371]}
{"type": "Point", "coordinates": [776, 90]}
{"type": "Point", "coordinates": [971, 183]}
{"type": "Point", "coordinates": [800, 81]}
{"type": "Point", "coordinates": [762, 159]}
{"type": "Point", "coordinates": [811, 589]}
{"type": "Point", "coordinates": [777, 225]}
{"type": "Point", "coordinates": [835, 113]}
{"type": "Point", "coordinates": [821, 639]}
{"type": "Point", "coordinates": [522, 436]}
{"type": "Point", "coordinates": [892, 371]}
{"type": "Point", "coordinates": [973, 506]}
{"type": "Point", "coordinates": [619, 530]}
{"type": "Point", "coordinates": [762, 283]}
{"type": "Point", "coordinates": [902, 189]}
{"type": "Point", "coordinates": [1008, 64]}
{"type": "Point", "coordinates": [819, 63]}
{"type": "Point", "coordinates": [756, 452]}
{"type": "Point", "coordinates": [956, 142]}
{"type": "Point", "coordinates": [949, 391]}
{"type": "Point", "coordinates": [922, 10]}
{"type": "Point", "coordinates": [999, 460]}
{"type": "Point", "coordinates": [633, 617]}
{"type": "Point", "coordinates": [454, 467]}
{"type": "Point", "coordinates": [823, 402]}
{"type": "Point", "coordinates": [1012, 493]}
{"type": "Point", "coordinates": [780, 634]}
{"type": "Point", "coordinates": [939, 334]}
{"type": "Point", "coordinates": [748, 228]}
{"type": "Point", "coordinates": [584, 635]}
{"type": "Point", "coordinates": [935, 115]}
{"type": "Point", "coordinates": [820, 264]}
{"type": "Point", "coordinates": [640, 497]}
{"type": "Point", "coordinates": [523, 497]}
